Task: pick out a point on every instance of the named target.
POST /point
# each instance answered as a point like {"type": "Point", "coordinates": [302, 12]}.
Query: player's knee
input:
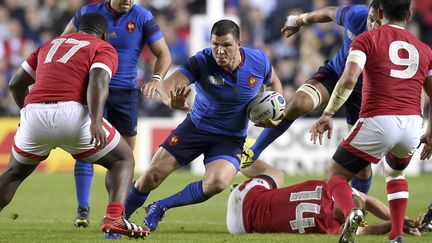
{"type": "Point", "coordinates": [215, 186]}
{"type": "Point", "coordinates": [391, 173]}
{"type": "Point", "coordinates": [365, 173]}
{"type": "Point", "coordinates": [151, 179]}
{"type": "Point", "coordinates": [307, 98]}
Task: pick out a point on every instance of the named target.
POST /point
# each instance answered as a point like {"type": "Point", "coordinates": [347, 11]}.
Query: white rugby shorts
{"type": "Point", "coordinates": [373, 137]}
{"type": "Point", "coordinates": [234, 219]}
{"type": "Point", "coordinates": [44, 127]}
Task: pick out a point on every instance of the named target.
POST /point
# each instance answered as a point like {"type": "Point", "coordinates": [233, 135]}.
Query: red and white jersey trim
{"type": "Point", "coordinates": [28, 69]}
{"type": "Point", "coordinates": [103, 66]}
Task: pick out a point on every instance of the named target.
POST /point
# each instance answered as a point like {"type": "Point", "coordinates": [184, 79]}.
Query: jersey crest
{"type": "Point", "coordinates": [174, 140]}
{"type": "Point", "coordinates": [130, 26]}
{"type": "Point", "coordinates": [252, 82]}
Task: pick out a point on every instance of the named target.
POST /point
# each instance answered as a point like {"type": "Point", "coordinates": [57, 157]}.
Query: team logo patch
{"type": "Point", "coordinates": [173, 140]}
{"type": "Point", "coordinates": [130, 26]}
{"type": "Point", "coordinates": [252, 82]}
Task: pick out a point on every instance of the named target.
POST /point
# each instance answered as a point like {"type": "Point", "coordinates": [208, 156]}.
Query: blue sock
{"type": "Point", "coordinates": [361, 185]}
{"type": "Point", "coordinates": [134, 200]}
{"type": "Point", "coordinates": [83, 179]}
{"type": "Point", "coordinates": [268, 135]}
{"type": "Point", "coordinates": [191, 194]}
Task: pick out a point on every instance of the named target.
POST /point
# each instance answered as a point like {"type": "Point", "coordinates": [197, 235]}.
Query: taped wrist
{"type": "Point", "coordinates": [157, 77]}
{"type": "Point", "coordinates": [338, 97]}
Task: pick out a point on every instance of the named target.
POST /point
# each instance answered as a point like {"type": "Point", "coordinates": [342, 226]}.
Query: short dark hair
{"type": "Point", "coordinates": [93, 23]}
{"type": "Point", "coordinates": [375, 4]}
{"type": "Point", "coordinates": [396, 10]}
{"type": "Point", "coordinates": [225, 27]}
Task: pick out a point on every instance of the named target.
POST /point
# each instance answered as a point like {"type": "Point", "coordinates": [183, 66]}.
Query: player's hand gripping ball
{"type": "Point", "coordinates": [266, 105]}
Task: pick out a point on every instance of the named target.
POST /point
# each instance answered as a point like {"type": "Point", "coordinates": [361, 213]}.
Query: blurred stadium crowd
{"type": "Point", "coordinates": [25, 24]}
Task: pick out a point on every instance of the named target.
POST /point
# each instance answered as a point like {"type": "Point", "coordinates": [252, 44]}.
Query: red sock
{"type": "Point", "coordinates": [115, 209]}
{"type": "Point", "coordinates": [341, 193]}
{"type": "Point", "coordinates": [397, 195]}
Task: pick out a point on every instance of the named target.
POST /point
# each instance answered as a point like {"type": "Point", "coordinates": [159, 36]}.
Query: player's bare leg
{"type": "Point", "coordinates": [306, 101]}
{"type": "Point", "coordinates": [11, 179]}
{"type": "Point", "coordinates": [130, 140]}
{"type": "Point", "coordinates": [260, 167]}
{"type": "Point", "coordinates": [120, 165]}
{"type": "Point", "coordinates": [217, 177]}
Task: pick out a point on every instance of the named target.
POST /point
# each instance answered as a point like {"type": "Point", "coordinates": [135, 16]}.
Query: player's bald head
{"type": "Point", "coordinates": [225, 27]}
{"type": "Point", "coordinates": [93, 23]}
{"type": "Point", "coordinates": [396, 10]}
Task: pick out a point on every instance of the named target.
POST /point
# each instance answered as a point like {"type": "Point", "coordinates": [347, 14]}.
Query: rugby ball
{"type": "Point", "coordinates": [266, 105]}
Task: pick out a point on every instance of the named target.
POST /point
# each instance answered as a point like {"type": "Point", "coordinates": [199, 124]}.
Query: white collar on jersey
{"type": "Point", "coordinates": [396, 26]}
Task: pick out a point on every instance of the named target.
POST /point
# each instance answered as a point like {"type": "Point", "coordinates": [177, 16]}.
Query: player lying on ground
{"type": "Point", "coordinates": [260, 205]}
{"type": "Point", "coordinates": [70, 76]}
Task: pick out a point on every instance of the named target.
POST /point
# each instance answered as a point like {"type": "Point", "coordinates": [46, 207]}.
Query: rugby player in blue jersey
{"type": "Point", "coordinates": [315, 92]}
{"type": "Point", "coordinates": [131, 27]}
{"type": "Point", "coordinates": [226, 78]}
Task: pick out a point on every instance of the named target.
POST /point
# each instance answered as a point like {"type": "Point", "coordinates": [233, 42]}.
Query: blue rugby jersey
{"type": "Point", "coordinates": [353, 19]}
{"type": "Point", "coordinates": [222, 97]}
{"type": "Point", "coordinates": [128, 33]}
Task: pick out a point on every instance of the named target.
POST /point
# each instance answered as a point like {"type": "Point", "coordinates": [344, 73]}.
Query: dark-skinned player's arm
{"type": "Point", "coordinates": [426, 138]}
{"type": "Point", "coordinates": [97, 93]}
{"type": "Point", "coordinates": [19, 84]}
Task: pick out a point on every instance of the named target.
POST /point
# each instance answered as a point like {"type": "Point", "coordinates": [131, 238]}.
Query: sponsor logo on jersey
{"type": "Point", "coordinates": [252, 82]}
{"type": "Point", "coordinates": [112, 35]}
{"type": "Point", "coordinates": [350, 34]}
{"type": "Point", "coordinates": [216, 80]}
{"type": "Point", "coordinates": [173, 140]}
{"type": "Point", "coordinates": [130, 26]}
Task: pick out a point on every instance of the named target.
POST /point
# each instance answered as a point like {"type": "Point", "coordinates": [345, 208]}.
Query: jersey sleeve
{"type": "Point", "coordinates": [106, 58]}
{"type": "Point", "coordinates": [151, 29]}
{"type": "Point", "coordinates": [30, 64]}
{"type": "Point", "coordinates": [352, 16]}
{"type": "Point", "coordinates": [192, 68]}
{"type": "Point", "coordinates": [429, 73]}
{"type": "Point", "coordinates": [78, 15]}
{"type": "Point", "coordinates": [362, 43]}
{"type": "Point", "coordinates": [267, 70]}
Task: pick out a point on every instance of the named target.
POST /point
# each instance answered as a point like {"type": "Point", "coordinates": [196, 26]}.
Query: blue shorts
{"type": "Point", "coordinates": [329, 78]}
{"type": "Point", "coordinates": [121, 110]}
{"type": "Point", "coordinates": [187, 142]}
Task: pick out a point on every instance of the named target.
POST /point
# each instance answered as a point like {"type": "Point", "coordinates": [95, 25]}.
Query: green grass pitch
{"type": "Point", "coordinates": [44, 208]}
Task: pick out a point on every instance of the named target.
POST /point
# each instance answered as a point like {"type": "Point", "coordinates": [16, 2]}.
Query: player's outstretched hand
{"type": "Point", "coordinates": [290, 27]}
{"type": "Point", "coordinates": [411, 226]}
{"type": "Point", "coordinates": [288, 31]}
{"type": "Point", "coordinates": [426, 152]}
{"type": "Point", "coordinates": [323, 124]}
{"type": "Point", "coordinates": [267, 123]}
{"type": "Point", "coordinates": [179, 98]}
{"type": "Point", "coordinates": [98, 136]}
{"type": "Point", "coordinates": [149, 89]}
{"type": "Point", "coordinates": [426, 139]}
